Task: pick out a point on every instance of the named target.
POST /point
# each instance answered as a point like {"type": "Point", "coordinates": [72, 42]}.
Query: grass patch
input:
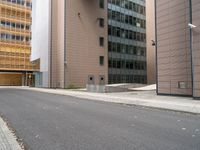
{"type": "Point", "coordinates": [71, 87]}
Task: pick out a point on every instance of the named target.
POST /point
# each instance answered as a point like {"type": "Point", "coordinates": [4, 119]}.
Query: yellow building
{"type": "Point", "coordinates": [15, 43]}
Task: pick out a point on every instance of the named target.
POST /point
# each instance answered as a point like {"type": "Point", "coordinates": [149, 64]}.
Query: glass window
{"type": "Point", "coordinates": [101, 41]}
{"type": "Point", "coordinates": [101, 60]}
{"type": "Point", "coordinates": [101, 22]}
{"type": "Point", "coordinates": [101, 3]}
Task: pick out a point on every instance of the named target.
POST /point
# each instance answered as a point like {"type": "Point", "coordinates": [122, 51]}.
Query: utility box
{"type": "Point", "coordinates": [102, 80]}
{"type": "Point", "coordinates": [91, 80]}
{"type": "Point", "coordinates": [93, 87]}
{"type": "Point", "coordinates": [91, 83]}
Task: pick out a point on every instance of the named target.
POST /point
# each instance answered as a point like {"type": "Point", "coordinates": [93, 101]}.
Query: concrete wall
{"type": "Point", "coordinates": [80, 44]}
{"type": "Point", "coordinates": [57, 45]}
{"type": "Point", "coordinates": [83, 48]}
{"type": "Point", "coordinates": [151, 52]}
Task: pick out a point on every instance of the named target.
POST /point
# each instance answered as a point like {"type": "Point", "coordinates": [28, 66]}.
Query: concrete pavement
{"type": "Point", "coordinates": [7, 139]}
{"type": "Point", "coordinates": [139, 98]}
{"type": "Point", "coordinates": [56, 122]}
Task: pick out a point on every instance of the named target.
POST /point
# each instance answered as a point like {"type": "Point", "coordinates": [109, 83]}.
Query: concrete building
{"type": "Point", "coordinates": [70, 40]}
{"type": "Point", "coordinates": [178, 47]}
{"type": "Point", "coordinates": [15, 35]}
{"type": "Point", "coordinates": [127, 41]}
{"type": "Point", "coordinates": [151, 52]}
{"type": "Point", "coordinates": [89, 42]}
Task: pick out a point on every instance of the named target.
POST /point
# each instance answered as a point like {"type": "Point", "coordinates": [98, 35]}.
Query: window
{"type": "Point", "coordinates": [101, 22]}
{"type": "Point", "coordinates": [101, 4]}
{"type": "Point", "coordinates": [27, 27]}
{"type": "Point", "coordinates": [101, 41]}
{"type": "Point", "coordinates": [101, 60]}
{"type": "Point", "coordinates": [183, 85]}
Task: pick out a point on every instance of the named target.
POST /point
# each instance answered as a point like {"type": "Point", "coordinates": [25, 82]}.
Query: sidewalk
{"type": "Point", "coordinates": [7, 139]}
{"type": "Point", "coordinates": [139, 98]}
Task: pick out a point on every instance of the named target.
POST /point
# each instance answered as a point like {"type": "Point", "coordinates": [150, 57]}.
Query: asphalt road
{"type": "Point", "coordinates": [55, 122]}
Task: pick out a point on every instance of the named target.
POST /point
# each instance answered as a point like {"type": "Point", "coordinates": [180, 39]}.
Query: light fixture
{"type": "Point", "coordinates": [153, 43]}
{"type": "Point", "coordinates": [191, 26]}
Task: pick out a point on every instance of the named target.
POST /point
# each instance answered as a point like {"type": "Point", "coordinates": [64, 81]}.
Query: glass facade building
{"type": "Point", "coordinates": [127, 41]}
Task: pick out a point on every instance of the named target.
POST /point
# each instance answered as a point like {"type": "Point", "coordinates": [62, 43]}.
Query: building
{"type": "Point", "coordinates": [151, 52]}
{"type": "Point", "coordinates": [178, 47]}
{"type": "Point", "coordinates": [89, 42]}
{"type": "Point", "coordinates": [15, 35]}
{"type": "Point", "coordinates": [127, 41]}
{"type": "Point", "coordinates": [70, 40]}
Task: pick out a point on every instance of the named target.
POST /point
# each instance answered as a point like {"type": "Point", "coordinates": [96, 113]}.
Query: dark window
{"type": "Point", "coordinates": [27, 27]}
{"type": "Point", "coordinates": [101, 60]}
{"type": "Point", "coordinates": [101, 3]}
{"type": "Point", "coordinates": [101, 41]}
{"type": "Point", "coordinates": [101, 22]}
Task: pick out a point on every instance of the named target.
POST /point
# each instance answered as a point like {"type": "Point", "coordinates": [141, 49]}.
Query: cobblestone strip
{"type": "Point", "coordinates": [7, 139]}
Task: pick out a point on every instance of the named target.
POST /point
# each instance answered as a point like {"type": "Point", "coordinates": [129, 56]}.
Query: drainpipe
{"type": "Point", "coordinates": [191, 48]}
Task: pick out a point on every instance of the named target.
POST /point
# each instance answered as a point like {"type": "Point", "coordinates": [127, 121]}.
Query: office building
{"type": "Point", "coordinates": [70, 41]}
{"type": "Point", "coordinates": [178, 47]}
{"type": "Point", "coordinates": [127, 41]}
{"type": "Point", "coordinates": [89, 42]}
{"type": "Point", "coordinates": [15, 50]}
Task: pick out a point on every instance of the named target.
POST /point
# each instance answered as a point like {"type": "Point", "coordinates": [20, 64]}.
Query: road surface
{"type": "Point", "coordinates": [55, 122]}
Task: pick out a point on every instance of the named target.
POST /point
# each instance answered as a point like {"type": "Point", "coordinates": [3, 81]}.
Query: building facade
{"type": "Point", "coordinates": [15, 36]}
{"type": "Point", "coordinates": [178, 47]}
{"type": "Point", "coordinates": [151, 51]}
{"type": "Point", "coordinates": [127, 41]}
{"type": "Point", "coordinates": [89, 42]}
{"type": "Point", "coordinates": [70, 40]}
